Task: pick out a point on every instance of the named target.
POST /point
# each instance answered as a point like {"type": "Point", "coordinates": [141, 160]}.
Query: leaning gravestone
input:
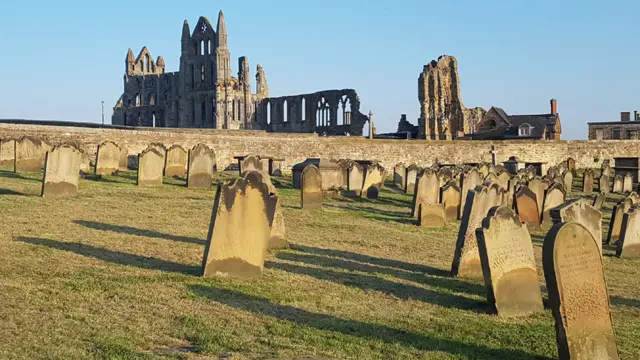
{"type": "Point", "coordinates": [432, 216]}
{"type": "Point", "coordinates": [239, 232]}
{"type": "Point", "coordinates": [618, 183]}
{"type": "Point", "coordinates": [123, 163]}
{"type": "Point", "coordinates": [583, 213]}
{"type": "Point", "coordinates": [617, 216]}
{"type": "Point", "coordinates": [29, 154]}
{"type": "Point", "coordinates": [411, 178]}
{"type": "Point", "coordinates": [627, 183]}
{"type": "Point", "coordinates": [578, 294]}
{"type": "Point", "coordinates": [599, 200]}
{"type": "Point", "coordinates": [451, 200]}
{"type": "Point", "coordinates": [277, 238]}
{"type": "Point", "coordinates": [150, 165]}
{"type": "Point", "coordinates": [587, 181]}
{"type": "Point", "coordinates": [508, 264]}
{"type": "Point", "coordinates": [427, 191]}
{"type": "Point", "coordinates": [176, 162]}
{"type": "Point", "coordinates": [311, 192]}
{"type": "Point", "coordinates": [604, 185]}
{"type": "Point", "coordinates": [108, 158]}
{"type": "Point", "coordinates": [629, 243]}
{"type": "Point", "coordinates": [200, 167]}
{"type": "Point", "coordinates": [373, 181]}
{"type": "Point", "coordinates": [61, 171]}
{"type": "Point", "coordinates": [554, 196]}
{"type": "Point", "coordinates": [527, 207]}
{"type": "Point", "coordinates": [399, 172]}
{"type": "Point", "coordinates": [470, 180]}
{"type": "Point", "coordinates": [355, 179]}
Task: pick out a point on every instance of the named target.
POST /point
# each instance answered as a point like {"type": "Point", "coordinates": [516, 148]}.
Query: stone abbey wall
{"type": "Point", "coordinates": [295, 148]}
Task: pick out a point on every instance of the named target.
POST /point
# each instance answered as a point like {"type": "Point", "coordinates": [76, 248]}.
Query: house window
{"type": "Point", "coordinates": [616, 134]}
{"type": "Point", "coordinates": [524, 130]}
{"type": "Point", "coordinates": [599, 134]}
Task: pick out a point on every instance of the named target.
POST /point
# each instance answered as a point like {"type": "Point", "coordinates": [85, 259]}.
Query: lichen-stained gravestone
{"type": "Point", "coordinates": [599, 200]}
{"type": "Point", "coordinates": [373, 181]}
{"type": "Point", "coordinates": [527, 207]}
{"type": "Point", "coordinates": [627, 183]}
{"type": "Point", "coordinates": [355, 179]}
{"type": "Point", "coordinates": [277, 238]}
{"type": "Point", "coordinates": [444, 176]}
{"type": "Point", "coordinates": [587, 181]}
{"type": "Point", "coordinates": [567, 178]}
{"type": "Point", "coordinates": [583, 213]}
{"type": "Point", "coordinates": [451, 200]}
{"type": "Point", "coordinates": [123, 163]}
{"type": "Point", "coordinates": [554, 196]}
{"type": "Point", "coordinates": [629, 244]}
{"type": "Point", "coordinates": [578, 294]}
{"type": "Point", "coordinates": [432, 216]}
{"type": "Point", "coordinates": [605, 168]}
{"type": "Point", "coordinates": [176, 162]}
{"type": "Point", "coordinates": [411, 178]}
{"type": "Point", "coordinates": [617, 216]}
{"type": "Point", "coordinates": [503, 179]}
{"type": "Point", "coordinates": [61, 171]}
{"type": "Point", "coordinates": [311, 192]}
{"type": "Point", "coordinates": [604, 184]}
{"type": "Point", "coordinates": [150, 165]}
{"type": "Point", "coordinates": [240, 229]}
{"type": "Point", "coordinates": [107, 158]}
{"type": "Point", "coordinates": [618, 183]}
{"type": "Point", "coordinates": [427, 191]}
{"type": "Point", "coordinates": [250, 163]}
{"type": "Point", "coordinates": [200, 167]}
{"type": "Point", "coordinates": [466, 259]}
{"type": "Point", "coordinates": [508, 264]}
{"type": "Point", "coordinates": [7, 151]}
{"type": "Point", "coordinates": [470, 180]}
{"type": "Point", "coordinates": [29, 154]}
{"type": "Point", "coordinates": [399, 173]}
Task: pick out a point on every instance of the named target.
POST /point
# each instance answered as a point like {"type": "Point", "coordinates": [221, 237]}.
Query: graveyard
{"type": "Point", "coordinates": [116, 272]}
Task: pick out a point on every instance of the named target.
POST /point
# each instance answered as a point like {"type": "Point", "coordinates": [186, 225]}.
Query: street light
{"type": "Point", "coordinates": [102, 103]}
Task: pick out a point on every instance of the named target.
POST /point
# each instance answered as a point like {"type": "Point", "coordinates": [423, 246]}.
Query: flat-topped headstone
{"type": "Point", "coordinates": [108, 158]}
{"type": "Point", "coordinates": [331, 172]}
{"type": "Point", "coordinates": [373, 181]}
{"type": "Point", "coordinates": [583, 213]}
{"type": "Point", "coordinates": [150, 165]}
{"type": "Point", "coordinates": [469, 181]}
{"type": "Point", "coordinates": [432, 216]}
{"type": "Point", "coordinates": [527, 206]}
{"type": "Point", "coordinates": [617, 216]}
{"type": "Point", "coordinates": [451, 200]}
{"type": "Point", "coordinates": [311, 192]}
{"type": "Point", "coordinates": [399, 173]}
{"type": "Point", "coordinates": [61, 171]}
{"type": "Point", "coordinates": [508, 264]}
{"type": "Point", "coordinates": [29, 154]}
{"type": "Point", "coordinates": [277, 234]}
{"type": "Point", "coordinates": [554, 196]}
{"type": "Point", "coordinates": [355, 179]}
{"type": "Point", "coordinates": [123, 163]}
{"type": "Point", "coordinates": [604, 184]}
{"type": "Point", "coordinates": [629, 244]}
{"type": "Point", "coordinates": [427, 191]}
{"type": "Point", "coordinates": [627, 183]}
{"type": "Point", "coordinates": [618, 183]}
{"type": "Point", "coordinates": [411, 178]}
{"type": "Point", "coordinates": [176, 162]}
{"type": "Point", "coordinates": [578, 294]}
{"type": "Point", "coordinates": [201, 160]}
{"type": "Point", "coordinates": [587, 181]}
{"type": "Point", "coordinates": [240, 228]}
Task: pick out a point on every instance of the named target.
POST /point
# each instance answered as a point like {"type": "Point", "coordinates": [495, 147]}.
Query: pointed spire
{"type": "Point", "coordinates": [222, 31]}
{"type": "Point", "coordinates": [130, 57]}
{"type": "Point", "coordinates": [185, 31]}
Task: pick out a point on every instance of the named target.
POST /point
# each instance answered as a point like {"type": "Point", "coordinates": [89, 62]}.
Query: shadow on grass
{"type": "Point", "coordinates": [138, 232]}
{"type": "Point", "coordinates": [369, 210]}
{"type": "Point", "coordinates": [115, 257]}
{"type": "Point", "coordinates": [11, 175]}
{"type": "Point", "coordinates": [620, 301]}
{"type": "Point", "coordinates": [440, 282]}
{"type": "Point", "coordinates": [10, 192]}
{"type": "Point", "coordinates": [262, 306]}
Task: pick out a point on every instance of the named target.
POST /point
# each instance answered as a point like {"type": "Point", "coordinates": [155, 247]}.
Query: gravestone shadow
{"type": "Point", "coordinates": [138, 232]}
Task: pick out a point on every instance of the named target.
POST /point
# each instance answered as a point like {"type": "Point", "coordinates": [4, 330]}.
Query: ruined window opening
{"type": "Point", "coordinates": [209, 47]}
{"type": "Point", "coordinates": [138, 100]}
{"type": "Point", "coordinates": [193, 76]}
{"type": "Point", "coordinates": [347, 111]}
{"type": "Point", "coordinates": [319, 115]}
{"type": "Point", "coordinates": [202, 47]}
{"type": "Point", "coordinates": [285, 108]}
{"type": "Point", "coordinates": [177, 112]}
{"type": "Point", "coordinates": [153, 119]}
{"type": "Point", "coordinates": [125, 119]}
{"type": "Point", "coordinates": [193, 111]}
{"type": "Point", "coordinates": [233, 109]}
{"type": "Point", "coordinates": [152, 100]}
{"type": "Point", "coordinates": [202, 72]}
{"type": "Point", "coordinates": [145, 63]}
{"type": "Point", "coordinates": [304, 110]}
{"type": "Point", "coordinates": [268, 113]}
{"type": "Point", "coordinates": [203, 113]}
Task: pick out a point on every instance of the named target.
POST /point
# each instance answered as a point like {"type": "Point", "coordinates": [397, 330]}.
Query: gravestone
{"type": "Point", "coordinates": [7, 151]}
{"type": "Point", "coordinates": [466, 259]}
{"type": "Point", "coordinates": [240, 228]}
{"type": "Point", "coordinates": [552, 172]}
{"type": "Point", "coordinates": [373, 181]}
{"type": "Point", "coordinates": [603, 184]}
{"type": "Point", "coordinates": [201, 160]}
{"type": "Point", "coordinates": [399, 172]}
{"type": "Point", "coordinates": [618, 183]}
{"type": "Point", "coordinates": [108, 158]}
{"type": "Point", "coordinates": [627, 183]}
{"type": "Point", "coordinates": [250, 163]}
{"type": "Point", "coordinates": [617, 216]}
{"type": "Point", "coordinates": [29, 154]}
{"type": "Point", "coordinates": [432, 216]}
{"type": "Point", "coordinates": [508, 264]}
{"type": "Point", "coordinates": [538, 187]}
{"type": "Point", "coordinates": [411, 178]}
{"type": "Point", "coordinates": [587, 181]}
{"type": "Point", "coordinates": [444, 176]}
{"type": "Point", "coordinates": [311, 192]}
{"type": "Point", "coordinates": [527, 207]}
{"type": "Point", "coordinates": [176, 162]}
{"type": "Point", "coordinates": [61, 171]}
{"type": "Point", "coordinates": [150, 165]}
{"type": "Point", "coordinates": [531, 172]}
{"type": "Point", "coordinates": [492, 178]}
{"type": "Point", "coordinates": [470, 180]}
{"type": "Point", "coordinates": [605, 169]}
{"type": "Point", "coordinates": [599, 200]}
{"type": "Point", "coordinates": [484, 169]}
{"type": "Point", "coordinates": [554, 196]}
{"type": "Point", "coordinates": [123, 163]}
{"type": "Point", "coordinates": [629, 244]}
{"type": "Point", "coordinates": [277, 234]}
{"type": "Point", "coordinates": [355, 179]}
{"type": "Point", "coordinates": [583, 213]}
{"type": "Point", "coordinates": [503, 180]}
{"type": "Point", "coordinates": [427, 191]}
{"type": "Point", "coordinates": [571, 165]}
{"type": "Point", "coordinates": [344, 166]}
{"type": "Point", "coordinates": [567, 178]}
{"type": "Point", "coordinates": [451, 200]}
{"type": "Point", "coordinates": [578, 294]}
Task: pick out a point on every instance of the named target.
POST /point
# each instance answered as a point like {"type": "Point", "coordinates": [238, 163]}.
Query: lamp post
{"type": "Point", "coordinates": [102, 103]}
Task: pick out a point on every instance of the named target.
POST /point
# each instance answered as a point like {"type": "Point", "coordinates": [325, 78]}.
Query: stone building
{"type": "Point", "coordinates": [498, 125]}
{"type": "Point", "coordinates": [204, 93]}
{"type": "Point", "coordinates": [625, 129]}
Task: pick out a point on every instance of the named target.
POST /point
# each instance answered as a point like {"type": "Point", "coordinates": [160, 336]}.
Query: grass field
{"type": "Point", "coordinates": [113, 274]}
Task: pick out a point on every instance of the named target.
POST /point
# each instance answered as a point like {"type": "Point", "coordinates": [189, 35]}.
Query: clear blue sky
{"type": "Point", "coordinates": [61, 58]}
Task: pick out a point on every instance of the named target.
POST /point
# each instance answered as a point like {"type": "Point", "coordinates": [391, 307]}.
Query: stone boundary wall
{"type": "Point", "coordinates": [294, 148]}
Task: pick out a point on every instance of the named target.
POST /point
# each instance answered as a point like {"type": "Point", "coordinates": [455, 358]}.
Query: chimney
{"type": "Point", "coordinates": [635, 115]}
{"type": "Point", "coordinates": [554, 107]}
{"type": "Point", "coordinates": [625, 116]}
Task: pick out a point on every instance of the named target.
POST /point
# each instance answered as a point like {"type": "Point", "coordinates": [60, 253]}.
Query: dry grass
{"type": "Point", "coordinates": [113, 274]}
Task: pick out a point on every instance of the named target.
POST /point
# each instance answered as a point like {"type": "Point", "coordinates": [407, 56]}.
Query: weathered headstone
{"type": "Point", "coordinates": [311, 192]}
{"type": "Point", "coordinates": [492, 178]}
{"type": "Point", "coordinates": [554, 196]}
{"type": "Point", "coordinates": [605, 169]}
{"type": "Point", "coordinates": [176, 162]}
{"type": "Point", "coordinates": [531, 172]}
{"type": "Point", "coordinates": [451, 200]}
{"type": "Point", "coordinates": [508, 264]}
{"type": "Point", "coordinates": [123, 163]}
{"type": "Point", "coordinates": [432, 216]}
{"type": "Point", "coordinates": [201, 160]}
{"type": "Point", "coordinates": [444, 176]}
{"type": "Point", "coordinates": [503, 180]}
{"type": "Point", "coordinates": [7, 151]}
{"type": "Point", "coordinates": [552, 172]}
{"type": "Point", "coordinates": [150, 165]}
{"type": "Point", "coordinates": [344, 166]}
{"type": "Point", "coordinates": [583, 213]}
{"type": "Point", "coordinates": [470, 180]}
{"type": "Point", "coordinates": [240, 229]}
{"type": "Point", "coordinates": [618, 183]}
{"type": "Point", "coordinates": [603, 184]}
{"type": "Point", "coordinates": [571, 165]}
{"type": "Point", "coordinates": [567, 178]}
{"type": "Point", "coordinates": [355, 179]}
{"type": "Point", "coordinates": [29, 154]}
{"type": "Point", "coordinates": [627, 183]}
{"type": "Point", "coordinates": [399, 173]}
{"type": "Point", "coordinates": [373, 181]}
{"type": "Point", "coordinates": [411, 178]}
{"type": "Point", "coordinates": [250, 163]}
{"type": "Point", "coordinates": [427, 191]}
{"type": "Point", "coordinates": [61, 171]}
{"type": "Point", "coordinates": [108, 158]}
{"type": "Point", "coordinates": [527, 206]}
{"type": "Point", "coordinates": [617, 216]}
{"type": "Point", "coordinates": [277, 234]}
{"type": "Point", "coordinates": [587, 181]}
{"type": "Point", "coordinates": [599, 200]}
{"type": "Point", "coordinates": [484, 169]}
{"type": "Point", "coordinates": [578, 294]}
{"type": "Point", "coordinates": [629, 244]}
{"type": "Point", "coordinates": [538, 187]}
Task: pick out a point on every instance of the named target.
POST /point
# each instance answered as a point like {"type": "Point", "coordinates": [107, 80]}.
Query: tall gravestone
{"type": "Point", "coordinates": [29, 154]}
{"type": "Point", "coordinates": [427, 191]}
{"type": "Point", "coordinates": [150, 165]}
{"type": "Point", "coordinates": [578, 294]}
{"type": "Point", "coordinates": [554, 196]}
{"type": "Point", "coordinates": [617, 216]}
{"type": "Point", "coordinates": [603, 184]}
{"type": "Point", "coordinates": [451, 200]}
{"type": "Point", "coordinates": [508, 264]}
{"type": "Point", "coordinates": [629, 244]}
{"type": "Point", "coordinates": [411, 178]}
{"type": "Point", "coordinates": [627, 183]}
{"type": "Point", "coordinates": [583, 213]}
{"type": "Point", "coordinates": [399, 173]}
{"type": "Point", "coordinates": [470, 180]}
{"type": "Point", "coordinates": [527, 207]}
{"type": "Point", "coordinates": [311, 192]}
{"type": "Point", "coordinates": [618, 183]}
{"type": "Point", "coordinates": [201, 160]}
{"type": "Point", "coordinates": [567, 178]}
{"type": "Point", "coordinates": [108, 158]}
{"type": "Point", "coordinates": [123, 163]}
{"type": "Point", "coordinates": [373, 181]}
{"type": "Point", "coordinates": [587, 181]}
{"type": "Point", "coordinates": [240, 228]}
{"type": "Point", "coordinates": [176, 162]}
{"type": "Point", "coordinates": [355, 179]}
{"type": "Point", "coordinates": [277, 234]}
{"type": "Point", "coordinates": [61, 171]}
{"type": "Point", "coordinates": [538, 187]}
